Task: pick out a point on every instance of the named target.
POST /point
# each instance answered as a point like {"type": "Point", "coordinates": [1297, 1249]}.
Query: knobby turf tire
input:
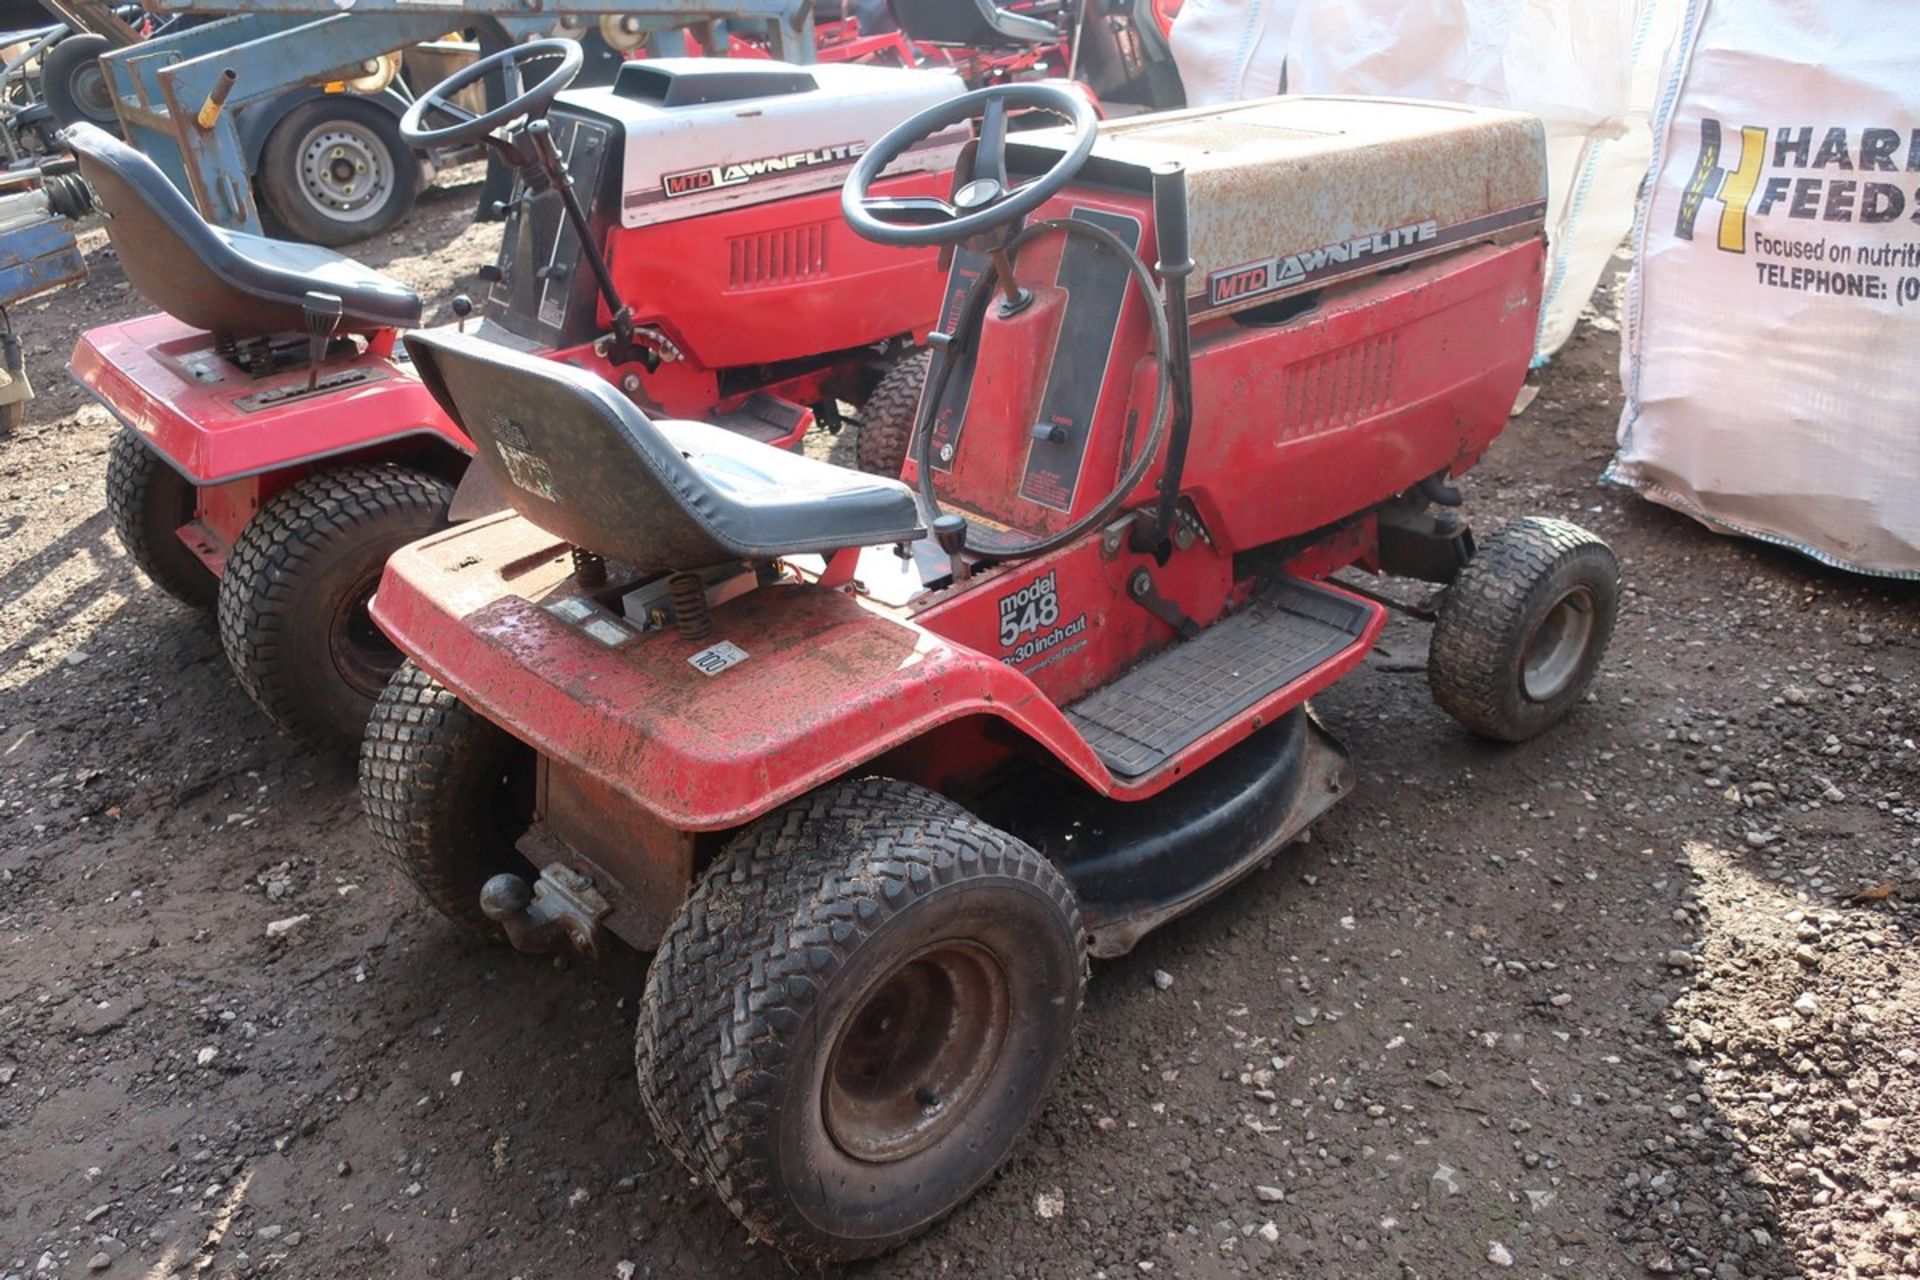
{"type": "Point", "coordinates": [1489, 614]}
{"type": "Point", "coordinates": [298, 642]}
{"type": "Point", "coordinates": [148, 501]}
{"type": "Point", "coordinates": [799, 898]}
{"type": "Point", "coordinates": [446, 793]}
{"type": "Point", "coordinates": [886, 420]}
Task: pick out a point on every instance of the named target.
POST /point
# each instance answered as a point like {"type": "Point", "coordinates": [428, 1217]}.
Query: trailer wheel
{"type": "Point", "coordinates": [148, 501]}
{"type": "Point", "coordinates": [293, 603]}
{"type": "Point", "coordinates": [74, 85]}
{"type": "Point", "coordinates": [1523, 628]}
{"type": "Point", "coordinates": [856, 1014]}
{"type": "Point", "coordinates": [336, 170]}
{"type": "Point", "coordinates": [886, 420]}
{"type": "Point", "coordinates": [446, 793]}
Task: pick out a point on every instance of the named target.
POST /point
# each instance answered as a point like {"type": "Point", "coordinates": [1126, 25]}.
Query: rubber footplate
{"type": "Point", "coordinates": [1152, 713]}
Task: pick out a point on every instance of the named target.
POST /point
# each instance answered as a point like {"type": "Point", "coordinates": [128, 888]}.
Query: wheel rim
{"type": "Point", "coordinates": [361, 652]}
{"type": "Point", "coordinates": [908, 1065]}
{"type": "Point", "coordinates": [346, 171]}
{"type": "Point", "coordinates": [1558, 646]}
{"type": "Point", "coordinates": [88, 85]}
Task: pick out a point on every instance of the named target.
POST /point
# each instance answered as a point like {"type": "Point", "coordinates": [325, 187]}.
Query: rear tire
{"type": "Point", "coordinates": [886, 420]}
{"type": "Point", "coordinates": [336, 170]}
{"type": "Point", "coordinates": [148, 501]}
{"type": "Point", "coordinates": [856, 1014]}
{"type": "Point", "coordinates": [74, 85]}
{"type": "Point", "coordinates": [446, 793]}
{"type": "Point", "coordinates": [1523, 628]}
{"type": "Point", "coordinates": [293, 603]}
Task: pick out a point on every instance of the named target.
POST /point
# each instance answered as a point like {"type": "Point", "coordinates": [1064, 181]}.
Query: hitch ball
{"type": "Point", "coordinates": [505, 897]}
{"type": "Point", "coordinates": [561, 911]}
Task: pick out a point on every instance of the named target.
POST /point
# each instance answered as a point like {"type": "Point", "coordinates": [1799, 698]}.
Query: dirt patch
{"type": "Point", "coordinates": [1594, 1007]}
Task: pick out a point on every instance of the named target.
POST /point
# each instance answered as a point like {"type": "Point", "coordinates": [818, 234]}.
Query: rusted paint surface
{"type": "Point", "coordinates": [642, 865]}
{"type": "Point", "coordinates": [1306, 177]}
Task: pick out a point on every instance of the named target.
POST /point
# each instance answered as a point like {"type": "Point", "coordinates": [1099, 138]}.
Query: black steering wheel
{"type": "Point", "coordinates": [468, 127]}
{"type": "Point", "coordinates": [988, 199]}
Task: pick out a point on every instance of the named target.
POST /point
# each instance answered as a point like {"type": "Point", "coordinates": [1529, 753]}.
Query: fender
{"type": "Point", "coordinates": [207, 419]}
{"type": "Point", "coordinates": [828, 683]}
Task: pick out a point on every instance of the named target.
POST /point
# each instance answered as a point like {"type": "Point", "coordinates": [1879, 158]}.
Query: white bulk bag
{"type": "Point", "coordinates": [1588, 68]}
{"type": "Point", "coordinates": [1772, 341]}
{"type": "Point", "coordinates": [1230, 50]}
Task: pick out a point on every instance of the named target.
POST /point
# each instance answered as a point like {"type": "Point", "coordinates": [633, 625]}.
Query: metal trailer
{"type": "Point", "coordinates": [181, 96]}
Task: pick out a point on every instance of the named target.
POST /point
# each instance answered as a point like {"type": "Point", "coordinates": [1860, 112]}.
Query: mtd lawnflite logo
{"type": "Point", "coordinates": [1252, 279]}
{"type": "Point", "coordinates": [1030, 611]}
{"type": "Point", "coordinates": [690, 182]}
{"type": "Point", "coordinates": [1749, 189]}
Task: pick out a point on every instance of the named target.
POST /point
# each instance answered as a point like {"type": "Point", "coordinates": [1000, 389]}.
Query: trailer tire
{"type": "Point", "coordinates": [446, 793]}
{"type": "Point", "coordinates": [886, 420]}
{"type": "Point", "coordinates": [1522, 630]}
{"type": "Point", "coordinates": [831, 942]}
{"type": "Point", "coordinates": [148, 501]}
{"type": "Point", "coordinates": [293, 604]}
{"type": "Point", "coordinates": [74, 84]}
{"type": "Point", "coordinates": [315, 161]}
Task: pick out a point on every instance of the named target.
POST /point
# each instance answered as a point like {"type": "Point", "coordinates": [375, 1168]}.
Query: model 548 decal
{"type": "Point", "coordinates": [1034, 611]}
{"type": "Point", "coordinates": [690, 182]}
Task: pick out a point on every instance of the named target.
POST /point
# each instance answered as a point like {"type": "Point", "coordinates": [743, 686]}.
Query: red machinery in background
{"type": "Point", "coordinates": [676, 234]}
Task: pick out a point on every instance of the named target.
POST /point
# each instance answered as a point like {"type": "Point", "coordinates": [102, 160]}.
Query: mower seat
{"type": "Point", "coordinates": [578, 459]}
{"type": "Point", "coordinates": [229, 283]}
{"type": "Point", "coordinates": [976, 24]}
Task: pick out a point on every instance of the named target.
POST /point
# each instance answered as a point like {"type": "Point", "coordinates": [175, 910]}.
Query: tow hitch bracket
{"type": "Point", "coordinates": [561, 911]}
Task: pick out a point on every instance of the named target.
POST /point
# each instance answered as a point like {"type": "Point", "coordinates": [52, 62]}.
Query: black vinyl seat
{"type": "Point", "coordinates": [978, 24]}
{"type": "Point", "coordinates": [229, 283]}
{"type": "Point", "coordinates": [581, 461]}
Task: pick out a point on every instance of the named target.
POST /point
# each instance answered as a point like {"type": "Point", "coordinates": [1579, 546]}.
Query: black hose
{"type": "Point", "coordinates": [972, 312]}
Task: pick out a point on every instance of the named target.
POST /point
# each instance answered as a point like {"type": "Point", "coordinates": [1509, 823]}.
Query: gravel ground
{"type": "Point", "coordinates": [1635, 999]}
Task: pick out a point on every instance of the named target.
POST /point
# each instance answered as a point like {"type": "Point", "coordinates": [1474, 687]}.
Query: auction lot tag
{"type": "Point", "coordinates": [716, 658]}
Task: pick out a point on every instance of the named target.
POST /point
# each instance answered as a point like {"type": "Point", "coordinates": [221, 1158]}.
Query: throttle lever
{"type": "Point", "coordinates": [322, 313]}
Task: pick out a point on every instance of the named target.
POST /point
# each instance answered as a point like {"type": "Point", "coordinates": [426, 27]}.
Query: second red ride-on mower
{"type": "Point", "coordinates": [874, 771]}
{"type": "Point", "coordinates": [676, 234]}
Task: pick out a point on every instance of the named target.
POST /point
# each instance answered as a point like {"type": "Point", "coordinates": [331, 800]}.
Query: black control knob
{"type": "Point", "coordinates": [950, 531]}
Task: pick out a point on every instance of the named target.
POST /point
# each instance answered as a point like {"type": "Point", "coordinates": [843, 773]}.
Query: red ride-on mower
{"type": "Point", "coordinates": [675, 234]}
{"type": "Point", "coordinates": [873, 771]}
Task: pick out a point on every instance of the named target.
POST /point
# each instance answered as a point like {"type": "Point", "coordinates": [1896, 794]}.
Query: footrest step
{"type": "Point", "coordinates": [1151, 714]}
{"type": "Point", "coordinates": [762, 417]}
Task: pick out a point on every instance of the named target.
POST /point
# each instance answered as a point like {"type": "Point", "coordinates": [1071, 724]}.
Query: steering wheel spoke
{"type": "Point", "coordinates": [990, 155]}
{"type": "Point", "coordinates": [910, 211]}
{"type": "Point", "coordinates": [450, 110]}
{"type": "Point", "coordinates": [987, 200]}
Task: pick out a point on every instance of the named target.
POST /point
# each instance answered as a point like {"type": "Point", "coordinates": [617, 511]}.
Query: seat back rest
{"type": "Point", "coordinates": [204, 276]}
{"type": "Point", "coordinates": [973, 23]}
{"type": "Point", "coordinates": [580, 460]}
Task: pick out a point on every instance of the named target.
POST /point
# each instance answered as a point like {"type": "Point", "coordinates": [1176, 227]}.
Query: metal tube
{"type": "Point", "coordinates": [217, 100]}
{"type": "Point", "coordinates": [1173, 268]}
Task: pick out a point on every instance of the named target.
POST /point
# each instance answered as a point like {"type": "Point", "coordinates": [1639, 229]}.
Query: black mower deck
{"type": "Point", "coordinates": [1149, 715]}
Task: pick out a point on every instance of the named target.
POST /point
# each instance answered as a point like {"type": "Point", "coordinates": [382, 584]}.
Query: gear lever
{"type": "Point", "coordinates": [950, 531]}
{"type": "Point", "coordinates": [322, 312]}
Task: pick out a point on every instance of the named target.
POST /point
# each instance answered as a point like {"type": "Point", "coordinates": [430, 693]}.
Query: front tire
{"type": "Point", "coordinates": [856, 1014]}
{"type": "Point", "coordinates": [336, 170]}
{"type": "Point", "coordinates": [148, 502]}
{"type": "Point", "coordinates": [886, 420]}
{"type": "Point", "coordinates": [293, 603]}
{"type": "Point", "coordinates": [446, 794]}
{"type": "Point", "coordinates": [1523, 628]}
